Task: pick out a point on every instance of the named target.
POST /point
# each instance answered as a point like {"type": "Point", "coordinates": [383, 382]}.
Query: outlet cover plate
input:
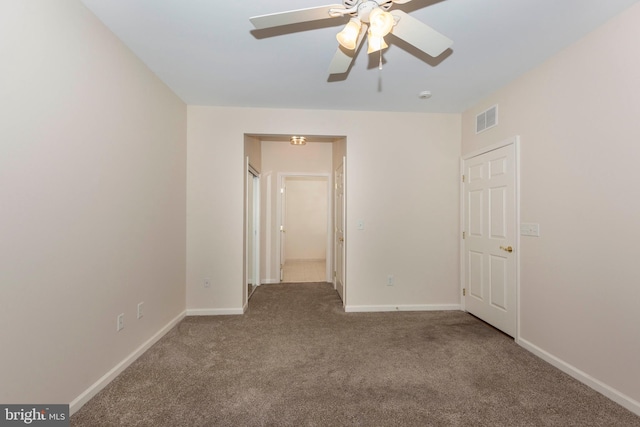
{"type": "Point", "coordinates": [140, 310]}
{"type": "Point", "coordinates": [120, 322]}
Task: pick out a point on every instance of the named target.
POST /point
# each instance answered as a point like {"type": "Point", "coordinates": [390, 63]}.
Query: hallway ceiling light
{"type": "Point", "coordinates": [298, 140]}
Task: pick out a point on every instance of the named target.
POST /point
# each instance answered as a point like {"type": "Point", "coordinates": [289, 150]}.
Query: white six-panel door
{"type": "Point", "coordinates": [489, 209]}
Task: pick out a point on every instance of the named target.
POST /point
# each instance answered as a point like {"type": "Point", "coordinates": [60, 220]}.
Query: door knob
{"type": "Point", "coordinates": [341, 239]}
{"type": "Point", "coordinates": [507, 249]}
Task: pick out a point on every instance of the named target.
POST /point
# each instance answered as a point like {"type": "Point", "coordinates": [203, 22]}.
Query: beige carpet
{"type": "Point", "coordinates": [296, 359]}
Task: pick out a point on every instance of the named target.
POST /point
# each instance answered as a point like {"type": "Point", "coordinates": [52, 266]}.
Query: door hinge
{"type": "Point", "coordinates": [464, 292]}
{"type": "Point", "coordinates": [464, 235]}
{"type": "Point", "coordinates": [463, 178]}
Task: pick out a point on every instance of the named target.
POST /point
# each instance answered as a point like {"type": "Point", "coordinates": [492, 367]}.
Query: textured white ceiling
{"type": "Point", "coordinates": [207, 53]}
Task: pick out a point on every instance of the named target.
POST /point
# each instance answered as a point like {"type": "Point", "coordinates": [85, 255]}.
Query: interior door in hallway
{"type": "Point", "coordinates": [339, 273]}
{"type": "Point", "coordinates": [489, 209]}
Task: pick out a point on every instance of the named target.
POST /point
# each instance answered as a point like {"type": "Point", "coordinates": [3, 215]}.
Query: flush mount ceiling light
{"type": "Point", "coordinates": [298, 140]}
{"type": "Point", "coordinates": [368, 17]}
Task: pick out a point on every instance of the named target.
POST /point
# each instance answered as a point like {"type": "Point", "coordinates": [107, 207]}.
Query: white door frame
{"type": "Point", "coordinates": [515, 141]}
{"type": "Point", "coordinates": [252, 270]}
{"type": "Point", "coordinates": [343, 252]}
{"type": "Point", "coordinates": [282, 176]}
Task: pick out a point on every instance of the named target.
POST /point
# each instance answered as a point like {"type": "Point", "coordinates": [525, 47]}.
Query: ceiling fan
{"type": "Point", "coordinates": [367, 17]}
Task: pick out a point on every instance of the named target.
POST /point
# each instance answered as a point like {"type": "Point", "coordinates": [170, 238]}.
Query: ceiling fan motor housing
{"type": "Point", "coordinates": [364, 7]}
{"type": "Point", "coordinates": [364, 10]}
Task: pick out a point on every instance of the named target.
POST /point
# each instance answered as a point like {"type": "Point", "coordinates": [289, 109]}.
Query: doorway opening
{"type": "Point", "coordinates": [306, 170]}
{"type": "Point", "coordinates": [305, 243]}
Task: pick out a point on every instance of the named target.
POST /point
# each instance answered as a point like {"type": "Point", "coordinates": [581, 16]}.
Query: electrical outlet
{"type": "Point", "coordinates": [140, 312]}
{"type": "Point", "coordinates": [390, 280]}
{"type": "Point", "coordinates": [207, 283]}
{"type": "Point", "coordinates": [120, 322]}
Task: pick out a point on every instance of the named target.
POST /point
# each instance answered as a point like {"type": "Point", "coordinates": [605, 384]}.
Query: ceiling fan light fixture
{"type": "Point", "coordinates": [375, 43]}
{"type": "Point", "coordinates": [349, 35]}
{"type": "Point", "coordinates": [381, 22]}
{"type": "Point", "coordinates": [298, 140]}
{"type": "Point", "coordinates": [370, 14]}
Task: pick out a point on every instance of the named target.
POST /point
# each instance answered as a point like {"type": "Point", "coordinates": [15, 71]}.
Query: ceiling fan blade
{"type": "Point", "coordinates": [401, 1]}
{"type": "Point", "coordinates": [420, 35]}
{"type": "Point", "coordinates": [341, 60]}
{"type": "Point", "coordinates": [294, 16]}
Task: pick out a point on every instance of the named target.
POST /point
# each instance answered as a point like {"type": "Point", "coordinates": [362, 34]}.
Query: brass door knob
{"type": "Point", "coordinates": [341, 239]}
{"type": "Point", "coordinates": [507, 249]}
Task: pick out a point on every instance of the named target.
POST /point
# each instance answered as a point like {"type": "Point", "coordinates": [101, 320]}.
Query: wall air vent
{"type": "Point", "coordinates": [487, 119]}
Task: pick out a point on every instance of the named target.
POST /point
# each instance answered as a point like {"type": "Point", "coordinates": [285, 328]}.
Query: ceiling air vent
{"type": "Point", "coordinates": [487, 119]}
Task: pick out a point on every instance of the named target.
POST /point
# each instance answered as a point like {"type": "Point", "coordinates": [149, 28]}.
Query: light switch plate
{"type": "Point", "coordinates": [140, 310]}
{"type": "Point", "coordinates": [530, 230]}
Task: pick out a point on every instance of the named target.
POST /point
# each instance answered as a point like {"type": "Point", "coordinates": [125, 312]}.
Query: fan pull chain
{"type": "Point", "coordinates": [380, 65]}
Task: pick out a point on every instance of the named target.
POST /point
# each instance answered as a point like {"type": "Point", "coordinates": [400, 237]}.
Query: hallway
{"type": "Point", "coordinates": [297, 271]}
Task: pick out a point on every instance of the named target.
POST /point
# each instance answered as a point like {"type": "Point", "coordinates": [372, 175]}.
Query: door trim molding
{"type": "Point", "coordinates": [515, 141]}
{"type": "Point", "coordinates": [334, 278]}
{"type": "Point", "coordinates": [267, 178]}
{"type": "Point", "coordinates": [256, 201]}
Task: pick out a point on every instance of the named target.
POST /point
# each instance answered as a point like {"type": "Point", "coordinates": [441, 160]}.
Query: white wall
{"type": "Point", "coordinates": [92, 201]}
{"type": "Point", "coordinates": [577, 116]}
{"type": "Point", "coordinates": [402, 180]}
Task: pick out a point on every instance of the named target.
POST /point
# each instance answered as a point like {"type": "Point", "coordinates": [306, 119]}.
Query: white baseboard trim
{"type": "Point", "coordinates": [95, 388]}
{"type": "Point", "coordinates": [214, 311]}
{"type": "Point", "coordinates": [583, 377]}
{"type": "Point", "coordinates": [380, 308]}
{"type": "Point", "coordinates": [269, 281]}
